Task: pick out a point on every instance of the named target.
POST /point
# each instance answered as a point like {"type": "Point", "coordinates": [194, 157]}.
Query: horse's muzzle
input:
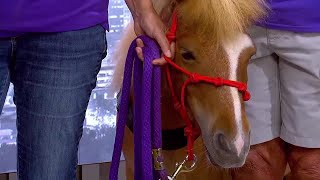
{"type": "Point", "coordinates": [225, 153]}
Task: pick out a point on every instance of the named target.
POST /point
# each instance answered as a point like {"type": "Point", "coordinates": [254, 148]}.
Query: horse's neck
{"type": "Point", "coordinates": [170, 117]}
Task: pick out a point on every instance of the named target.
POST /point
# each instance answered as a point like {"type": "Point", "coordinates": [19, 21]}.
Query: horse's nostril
{"type": "Point", "coordinates": [223, 143]}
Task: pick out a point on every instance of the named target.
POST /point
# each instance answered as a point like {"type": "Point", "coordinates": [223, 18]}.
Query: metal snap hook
{"type": "Point", "coordinates": [184, 167]}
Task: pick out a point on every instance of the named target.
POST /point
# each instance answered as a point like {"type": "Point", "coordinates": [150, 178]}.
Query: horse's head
{"type": "Point", "coordinates": [211, 41]}
{"type": "Point", "coordinates": [219, 111]}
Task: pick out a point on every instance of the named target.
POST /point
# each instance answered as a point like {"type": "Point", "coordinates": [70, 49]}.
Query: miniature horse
{"type": "Point", "coordinates": [211, 41]}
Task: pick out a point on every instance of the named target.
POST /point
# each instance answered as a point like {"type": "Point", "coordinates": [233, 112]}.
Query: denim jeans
{"type": "Point", "coordinates": [53, 75]}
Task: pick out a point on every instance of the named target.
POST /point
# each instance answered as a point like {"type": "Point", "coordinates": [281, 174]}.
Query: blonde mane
{"type": "Point", "coordinates": [220, 20]}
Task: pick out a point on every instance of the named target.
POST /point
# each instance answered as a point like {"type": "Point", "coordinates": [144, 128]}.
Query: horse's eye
{"type": "Point", "coordinates": [188, 55]}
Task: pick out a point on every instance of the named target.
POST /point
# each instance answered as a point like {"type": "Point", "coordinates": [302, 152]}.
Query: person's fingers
{"type": "Point", "coordinates": [139, 53]}
{"type": "Point", "coordinates": [139, 42]}
{"type": "Point", "coordinates": [151, 24]}
{"type": "Point", "coordinates": [160, 37]}
{"type": "Point", "coordinates": [138, 49]}
{"type": "Point", "coordinates": [160, 61]}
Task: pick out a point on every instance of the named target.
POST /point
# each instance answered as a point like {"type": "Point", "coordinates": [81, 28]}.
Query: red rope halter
{"type": "Point", "coordinates": [191, 130]}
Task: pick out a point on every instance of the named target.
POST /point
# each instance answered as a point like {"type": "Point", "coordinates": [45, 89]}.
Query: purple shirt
{"type": "Point", "coordinates": [24, 16]}
{"type": "Point", "coordinates": [294, 15]}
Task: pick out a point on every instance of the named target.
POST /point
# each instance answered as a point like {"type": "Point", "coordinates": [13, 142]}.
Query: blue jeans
{"type": "Point", "coordinates": [53, 75]}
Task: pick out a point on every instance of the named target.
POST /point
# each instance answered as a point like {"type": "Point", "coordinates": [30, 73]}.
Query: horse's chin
{"type": "Point", "coordinates": [217, 159]}
{"type": "Point", "coordinates": [211, 159]}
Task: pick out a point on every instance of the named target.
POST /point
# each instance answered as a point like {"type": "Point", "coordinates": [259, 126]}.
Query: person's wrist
{"type": "Point", "coordinates": [144, 12]}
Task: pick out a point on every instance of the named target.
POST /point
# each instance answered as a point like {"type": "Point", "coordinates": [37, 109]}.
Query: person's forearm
{"type": "Point", "coordinates": [143, 5]}
{"type": "Point", "coordinates": [138, 7]}
{"type": "Point", "coordinates": [131, 7]}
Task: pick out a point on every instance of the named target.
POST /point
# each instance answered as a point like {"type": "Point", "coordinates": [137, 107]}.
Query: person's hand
{"type": "Point", "coordinates": [150, 23]}
{"type": "Point", "coordinates": [147, 21]}
{"type": "Point", "coordinates": [159, 61]}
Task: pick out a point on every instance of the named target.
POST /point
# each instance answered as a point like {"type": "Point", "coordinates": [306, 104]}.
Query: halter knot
{"type": "Point", "coordinates": [246, 96]}
{"type": "Point", "coordinates": [195, 78]}
{"type": "Point", "coordinates": [189, 132]}
{"type": "Point", "coordinates": [242, 87]}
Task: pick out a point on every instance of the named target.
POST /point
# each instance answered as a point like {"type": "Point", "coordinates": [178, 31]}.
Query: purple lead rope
{"type": "Point", "coordinates": [147, 112]}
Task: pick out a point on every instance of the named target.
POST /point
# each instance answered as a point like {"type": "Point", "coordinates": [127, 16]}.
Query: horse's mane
{"type": "Point", "coordinates": [220, 20]}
